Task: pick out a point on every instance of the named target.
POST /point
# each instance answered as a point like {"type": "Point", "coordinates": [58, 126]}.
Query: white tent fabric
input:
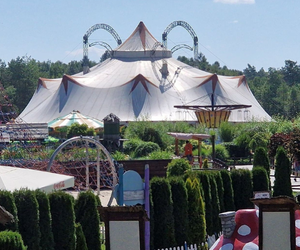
{"type": "Point", "coordinates": [14, 178]}
{"type": "Point", "coordinates": [189, 136]}
{"type": "Point", "coordinates": [141, 81]}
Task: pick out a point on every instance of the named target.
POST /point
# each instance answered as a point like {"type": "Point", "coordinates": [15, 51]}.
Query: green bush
{"type": "Point", "coordinates": [220, 151]}
{"type": "Point", "coordinates": [261, 159]}
{"type": "Point", "coordinates": [226, 131]}
{"type": "Point", "coordinates": [63, 220]}
{"type": "Point", "coordinates": [215, 203]}
{"type": "Point", "coordinates": [160, 155]}
{"type": "Point", "coordinates": [177, 167]}
{"type": "Point", "coordinates": [196, 212]}
{"type": "Point", "coordinates": [228, 191]}
{"type": "Point", "coordinates": [10, 240]}
{"type": "Point", "coordinates": [260, 179]}
{"type": "Point", "coordinates": [28, 214]}
{"type": "Point", "coordinates": [45, 221]}
{"type": "Point", "coordinates": [131, 145]}
{"type": "Point", "coordinates": [7, 201]}
{"type": "Point", "coordinates": [87, 215]}
{"type": "Point", "coordinates": [243, 189]}
{"type": "Point", "coordinates": [207, 198]}
{"type": "Point", "coordinates": [152, 135]}
{"type": "Point", "coordinates": [80, 238]}
{"type": "Point", "coordinates": [282, 183]}
{"type": "Point", "coordinates": [145, 148]}
{"type": "Point", "coordinates": [180, 209]}
{"type": "Point", "coordinates": [163, 232]}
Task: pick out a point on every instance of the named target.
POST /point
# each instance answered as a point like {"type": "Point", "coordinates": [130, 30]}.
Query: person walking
{"type": "Point", "coordinates": [188, 151]}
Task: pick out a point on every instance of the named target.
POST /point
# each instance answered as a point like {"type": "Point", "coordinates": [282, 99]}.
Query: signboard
{"type": "Point", "coordinates": [262, 195]}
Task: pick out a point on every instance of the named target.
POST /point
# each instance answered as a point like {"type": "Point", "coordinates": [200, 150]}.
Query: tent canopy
{"type": "Point", "coordinates": [14, 178]}
{"type": "Point", "coordinates": [184, 136]}
{"type": "Point", "coordinates": [75, 117]}
{"type": "Point", "coordinates": [141, 81]}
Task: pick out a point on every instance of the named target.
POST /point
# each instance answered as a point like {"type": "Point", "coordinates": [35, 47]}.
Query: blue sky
{"type": "Point", "coordinates": [262, 33]}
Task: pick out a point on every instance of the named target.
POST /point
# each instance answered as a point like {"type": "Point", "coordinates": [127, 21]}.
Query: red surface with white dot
{"type": "Point", "coordinates": [245, 235]}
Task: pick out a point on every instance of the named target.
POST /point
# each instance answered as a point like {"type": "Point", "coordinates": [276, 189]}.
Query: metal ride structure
{"type": "Point", "coordinates": [188, 28]}
{"type": "Point", "coordinates": [86, 44]}
{"type": "Point", "coordinates": [88, 161]}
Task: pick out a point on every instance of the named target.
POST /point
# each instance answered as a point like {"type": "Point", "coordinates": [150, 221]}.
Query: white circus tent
{"type": "Point", "coordinates": [141, 81]}
{"type": "Point", "coordinates": [15, 178]}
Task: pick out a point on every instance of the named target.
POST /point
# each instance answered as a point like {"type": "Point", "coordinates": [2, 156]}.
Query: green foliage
{"type": "Point", "coordinates": [261, 159]}
{"type": "Point", "coordinates": [152, 135]}
{"type": "Point", "coordinates": [205, 184]}
{"type": "Point", "coordinates": [221, 152]}
{"type": "Point", "coordinates": [45, 221]}
{"type": "Point", "coordinates": [260, 179]}
{"type": "Point", "coordinates": [177, 167]}
{"type": "Point", "coordinates": [215, 203]}
{"type": "Point", "coordinates": [80, 238]}
{"type": "Point", "coordinates": [160, 155]}
{"type": "Point", "coordinates": [243, 189]}
{"type": "Point", "coordinates": [77, 129]}
{"type": "Point", "coordinates": [196, 212]}
{"type": "Point", "coordinates": [87, 215]}
{"type": "Point", "coordinates": [163, 232]}
{"type": "Point", "coordinates": [119, 156]}
{"type": "Point", "coordinates": [282, 183]}
{"type": "Point", "coordinates": [145, 148]}
{"type": "Point", "coordinates": [7, 201]}
{"type": "Point", "coordinates": [28, 214]}
{"type": "Point", "coordinates": [226, 131]}
{"type": "Point", "coordinates": [131, 145]}
{"type": "Point", "coordinates": [220, 190]}
{"type": "Point", "coordinates": [63, 220]}
{"type": "Point", "coordinates": [205, 163]}
{"type": "Point", "coordinates": [180, 209]}
{"type": "Point", "coordinates": [11, 241]}
{"type": "Point", "coordinates": [228, 191]}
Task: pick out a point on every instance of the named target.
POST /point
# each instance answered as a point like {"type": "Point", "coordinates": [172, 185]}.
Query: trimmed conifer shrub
{"type": "Point", "coordinates": [282, 183]}
{"type": "Point", "coordinates": [63, 220]}
{"type": "Point", "coordinates": [80, 238]}
{"type": "Point", "coordinates": [220, 189]}
{"type": "Point", "coordinates": [205, 185]}
{"type": "Point", "coordinates": [215, 204]}
{"type": "Point", "coordinates": [28, 214]}
{"type": "Point", "coordinates": [196, 211]}
{"type": "Point", "coordinates": [7, 201]}
{"type": "Point", "coordinates": [180, 209]}
{"type": "Point", "coordinates": [228, 191]}
{"type": "Point", "coordinates": [163, 231]}
{"type": "Point", "coordinates": [45, 221]}
{"type": "Point", "coordinates": [242, 186]}
{"type": "Point", "coordinates": [261, 159]}
{"type": "Point", "coordinates": [260, 179]}
{"type": "Point", "coordinates": [178, 167]}
{"type": "Point", "coordinates": [87, 215]}
{"type": "Point", "coordinates": [11, 240]}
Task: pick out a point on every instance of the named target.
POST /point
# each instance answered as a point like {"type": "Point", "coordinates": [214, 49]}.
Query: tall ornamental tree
{"type": "Point", "coordinates": [28, 214]}
{"type": "Point", "coordinates": [87, 215]}
{"type": "Point", "coordinates": [45, 221]}
{"type": "Point", "coordinates": [282, 183]}
{"type": "Point", "coordinates": [7, 201]}
{"type": "Point", "coordinates": [228, 191]}
{"type": "Point", "coordinates": [180, 209]}
{"type": "Point", "coordinates": [197, 225]}
{"type": "Point", "coordinates": [163, 233]}
{"type": "Point", "coordinates": [63, 220]}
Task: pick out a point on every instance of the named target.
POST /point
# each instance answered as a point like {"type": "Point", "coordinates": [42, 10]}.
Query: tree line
{"type": "Point", "coordinates": [277, 90]}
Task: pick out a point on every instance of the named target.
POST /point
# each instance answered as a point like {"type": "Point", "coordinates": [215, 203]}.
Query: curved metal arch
{"type": "Point", "coordinates": [188, 28]}
{"type": "Point", "coordinates": [103, 44]}
{"type": "Point", "coordinates": [181, 46]}
{"type": "Point", "coordinates": [99, 146]}
{"type": "Point", "coordinates": [86, 41]}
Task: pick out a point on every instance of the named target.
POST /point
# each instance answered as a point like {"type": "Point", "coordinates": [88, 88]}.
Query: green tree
{"type": "Point", "coordinates": [163, 232]}
{"type": "Point", "coordinates": [282, 183]}
{"type": "Point", "coordinates": [228, 191]}
{"type": "Point", "coordinates": [7, 201]}
{"type": "Point", "coordinates": [45, 221]}
{"type": "Point", "coordinates": [63, 220]}
{"type": "Point", "coordinates": [197, 224]}
{"type": "Point", "coordinates": [28, 214]}
{"type": "Point", "coordinates": [87, 215]}
{"type": "Point", "coordinates": [11, 241]}
{"type": "Point", "coordinates": [180, 209]}
{"type": "Point", "coordinates": [260, 179]}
